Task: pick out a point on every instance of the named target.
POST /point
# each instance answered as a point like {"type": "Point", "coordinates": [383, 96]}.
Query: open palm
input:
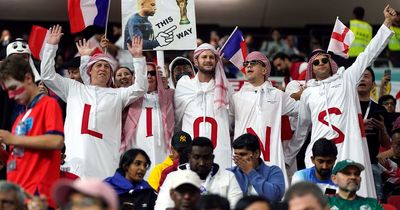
{"type": "Point", "coordinates": [136, 47]}
{"type": "Point", "coordinates": [55, 35]}
{"type": "Point", "coordinates": [83, 47]}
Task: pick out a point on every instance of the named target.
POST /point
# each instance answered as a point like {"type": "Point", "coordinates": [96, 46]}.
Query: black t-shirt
{"type": "Point", "coordinates": [373, 134]}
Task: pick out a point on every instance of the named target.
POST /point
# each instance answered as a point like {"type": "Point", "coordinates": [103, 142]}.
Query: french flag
{"type": "Point", "coordinates": [84, 13]}
{"type": "Point", "coordinates": [36, 41]}
{"type": "Point", "coordinates": [235, 49]}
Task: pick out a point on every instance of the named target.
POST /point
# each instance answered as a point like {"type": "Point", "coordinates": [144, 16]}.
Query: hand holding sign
{"type": "Point", "coordinates": [164, 38]}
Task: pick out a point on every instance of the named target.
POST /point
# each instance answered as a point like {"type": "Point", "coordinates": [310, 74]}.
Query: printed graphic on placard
{"type": "Point", "coordinates": [163, 24]}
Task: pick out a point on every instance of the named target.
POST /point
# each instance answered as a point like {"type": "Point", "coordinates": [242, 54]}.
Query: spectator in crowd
{"type": "Point", "coordinates": [72, 67]}
{"type": "Point", "coordinates": [276, 45]}
{"type": "Point", "coordinates": [252, 202]}
{"type": "Point", "coordinates": [346, 175]}
{"type": "Point", "coordinates": [92, 145]}
{"type": "Point", "coordinates": [185, 190]}
{"type": "Point", "coordinates": [385, 87]}
{"type": "Point", "coordinates": [85, 194]}
{"type": "Point", "coordinates": [290, 47]}
{"type": "Point", "coordinates": [305, 195]}
{"type": "Point", "coordinates": [202, 103]}
{"type": "Point", "coordinates": [124, 77]}
{"type": "Point", "coordinates": [394, 43]}
{"type": "Point", "coordinates": [180, 144]}
{"type": "Point", "coordinates": [362, 34]}
{"type": "Point", "coordinates": [330, 103]}
{"type": "Point", "coordinates": [5, 39]}
{"type": "Point", "coordinates": [213, 202]}
{"type": "Point", "coordinates": [249, 40]}
{"type": "Point", "coordinates": [253, 175]}
{"type": "Point", "coordinates": [128, 181]}
{"type": "Point", "coordinates": [214, 39]}
{"type": "Point", "coordinates": [290, 70]}
{"type": "Point", "coordinates": [180, 67]}
{"type": "Point", "coordinates": [375, 130]}
{"type": "Point", "coordinates": [323, 157]}
{"type": "Point", "coordinates": [37, 133]}
{"type": "Point", "coordinates": [389, 102]}
{"type": "Point", "coordinates": [12, 196]}
{"type": "Point", "coordinates": [214, 179]}
{"type": "Point", "coordinates": [258, 109]}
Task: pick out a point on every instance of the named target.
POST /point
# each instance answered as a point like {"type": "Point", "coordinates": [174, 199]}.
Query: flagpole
{"type": "Point", "coordinates": [106, 26]}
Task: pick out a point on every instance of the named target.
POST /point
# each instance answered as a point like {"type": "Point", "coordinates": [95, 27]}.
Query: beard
{"type": "Point", "coordinates": [324, 172]}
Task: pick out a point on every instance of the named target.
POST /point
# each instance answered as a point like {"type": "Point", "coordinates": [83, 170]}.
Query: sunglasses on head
{"type": "Point", "coordinates": [152, 73]}
{"type": "Point", "coordinates": [323, 60]}
{"type": "Point", "coordinates": [253, 63]}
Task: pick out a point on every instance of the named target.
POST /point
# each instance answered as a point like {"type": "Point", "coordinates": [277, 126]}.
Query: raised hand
{"type": "Point", "coordinates": [390, 15]}
{"type": "Point", "coordinates": [136, 47]}
{"type": "Point", "coordinates": [55, 35]}
{"type": "Point", "coordinates": [104, 43]}
{"type": "Point", "coordinates": [83, 47]}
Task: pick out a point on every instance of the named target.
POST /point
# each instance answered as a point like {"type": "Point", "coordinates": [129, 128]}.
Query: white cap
{"type": "Point", "coordinates": [188, 176]}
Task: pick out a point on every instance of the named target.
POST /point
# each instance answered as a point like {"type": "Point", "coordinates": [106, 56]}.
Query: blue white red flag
{"type": "Point", "coordinates": [84, 13]}
{"type": "Point", "coordinates": [235, 49]}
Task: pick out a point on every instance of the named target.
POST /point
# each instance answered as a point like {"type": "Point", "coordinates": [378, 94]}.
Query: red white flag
{"type": "Point", "coordinates": [37, 39]}
{"type": "Point", "coordinates": [341, 39]}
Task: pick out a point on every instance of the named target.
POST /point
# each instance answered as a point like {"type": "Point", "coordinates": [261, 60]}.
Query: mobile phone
{"type": "Point", "coordinates": [330, 191]}
{"type": "Point", "coordinates": [388, 72]}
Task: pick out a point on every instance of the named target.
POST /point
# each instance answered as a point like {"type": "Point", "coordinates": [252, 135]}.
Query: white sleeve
{"type": "Point", "coordinates": [290, 106]}
{"type": "Point", "coordinates": [83, 69]}
{"type": "Point", "coordinates": [164, 199]}
{"type": "Point", "coordinates": [139, 88]}
{"type": "Point", "coordinates": [371, 52]}
{"type": "Point", "coordinates": [234, 191]}
{"type": "Point", "coordinates": [57, 83]}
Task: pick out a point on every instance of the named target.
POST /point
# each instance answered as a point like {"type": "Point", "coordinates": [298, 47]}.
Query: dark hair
{"type": "Point", "coordinates": [301, 189]}
{"type": "Point", "coordinates": [359, 13]}
{"type": "Point", "coordinates": [212, 201]}
{"type": "Point", "coordinates": [202, 142]}
{"type": "Point", "coordinates": [372, 72]}
{"type": "Point", "coordinates": [386, 98]}
{"type": "Point", "coordinates": [246, 141]}
{"type": "Point", "coordinates": [128, 157]}
{"type": "Point", "coordinates": [246, 201]}
{"type": "Point", "coordinates": [281, 56]}
{"type": "Point", "coordinates": [325, 148]}
{"type": "Point", "coordinates": [16, 67]}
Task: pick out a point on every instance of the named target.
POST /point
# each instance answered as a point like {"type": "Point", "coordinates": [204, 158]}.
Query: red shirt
{"type": "Point", "coordinates": [37, 170]}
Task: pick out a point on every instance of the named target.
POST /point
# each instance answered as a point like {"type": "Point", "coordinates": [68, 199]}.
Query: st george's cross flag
{"type": "Point", "coordinates": [341, 39]}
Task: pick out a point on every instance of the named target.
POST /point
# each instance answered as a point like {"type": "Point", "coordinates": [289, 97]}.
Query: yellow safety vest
{"type": "Point", "coordinates": [363, 34]}
{"type": "Point", "coordinates": [394, 43]}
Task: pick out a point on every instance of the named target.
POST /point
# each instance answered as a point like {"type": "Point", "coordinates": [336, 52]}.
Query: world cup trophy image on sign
{"type": "Point", "coordinates": [163, 24]}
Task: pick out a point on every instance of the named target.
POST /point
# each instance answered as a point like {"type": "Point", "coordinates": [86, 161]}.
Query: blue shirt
{"type": "Point", "coordinates": [308, 175]}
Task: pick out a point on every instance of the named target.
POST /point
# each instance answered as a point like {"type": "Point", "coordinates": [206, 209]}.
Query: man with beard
{"type": "Point", "coordinates": [291, 70]}
{"type": "Point", "coordinates": [324, 157]}
{"type": "Point", "coordinates": [346, 175]}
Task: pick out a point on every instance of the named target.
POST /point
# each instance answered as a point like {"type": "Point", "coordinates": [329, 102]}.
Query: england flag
{"type": "Point", "coordinates": [341, 39]}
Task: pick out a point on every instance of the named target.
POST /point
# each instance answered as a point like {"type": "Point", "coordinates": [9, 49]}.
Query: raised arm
{"type": "Point", "coordinates": [139, 88]}
{"type": "Point", "coordinates": [84, 51]}
{"type": "Point", "coordinates": [54, 81]}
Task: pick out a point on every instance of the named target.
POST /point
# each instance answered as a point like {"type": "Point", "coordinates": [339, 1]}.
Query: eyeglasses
{"type": "Point", "coordinates": [7, 203]}
{"type": "Point", "coordinates": [152, 73]}
{"type": "Point", "coordinates": [323, 60]}
{"type": "Point", "coordinates": [253, 63]}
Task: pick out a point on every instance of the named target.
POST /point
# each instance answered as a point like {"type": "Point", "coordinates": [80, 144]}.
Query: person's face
{"type": "Point", "coordinates": [181, 70]}
{"type": "Point", "coordinates": [366, 83]}
{"type": "Point", "coordinates": [137, 169]}
{"type": "Point", "coordinates": [276, 35]}
{"type": "Point", "coordinates": [101, 73]}
{"type": "Point", "coordinates": [149, 7]}
{"type": "Point", "coordinates": [8, 200]}
{"type": "Point", "coordinates": [79, 201]}
{"type": "Point", "coordinates": [306, 202]}
{"type": "Point", "coordinates": [123, 78]}
{"type": "Point", "coordinates": [281, 65]}
{"type": "Point", "coordinates": [255, 72]}
{"type": "Point", "coordinates": [206, 62]}
{"type": "Point", "coordinates": [323, 165]}
{"type": "Point", "coordinates": [348, 180]}
{"type": "Point", "coordinates": [18, 90]}
{"type": "Point", "coordinates": [201, 160]}
{"type": "Point", "coordinates": [390, 105]}
{"type": "Point", "coordinates": [247, 155]}
{"type": "Point", "coordinates": [43, 88]}
{"type": "Point", "coordinates": [185, 196]}
{"type": "Point", "coordinates": [396, 144]}
{"type": "Point", "coordinates": [321, 67]}
{"type": "Point", "coordinates": [258, 206]}
{"type": "Point", "coordinates": [152, 78]}
{"type": "Point", "coordinates": [74, 74]}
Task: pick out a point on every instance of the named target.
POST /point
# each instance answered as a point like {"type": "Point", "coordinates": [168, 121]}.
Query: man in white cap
{"type": "Point", "coordinates": [258, 109]}
{"type": "Point", "coordinates": [93, 121]}
{"type": "Point", "coordinates": [185, 190]}
{"type": "Point", "coordinates": [180, 67]}
{"type": "Point", "coordinates": [201, 103]}
{"type": "Point", "coordinates": [331, 106]}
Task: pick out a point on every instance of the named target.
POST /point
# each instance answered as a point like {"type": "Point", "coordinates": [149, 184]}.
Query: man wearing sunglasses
{"type": "Point", "coordinates": [258, 108]}
{"type": "Point", "coordinates": [330, 104]}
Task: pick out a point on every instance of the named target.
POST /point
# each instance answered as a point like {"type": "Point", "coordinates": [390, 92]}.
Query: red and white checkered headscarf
{"type": "Point", "coordinates": [221, 83]}
{"type": "Point", "coordinates": [314, 54]}
{"type": "Point", "coordinates": [107, 58]}
{"type": "Point", "coordinates": [260, 57]}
